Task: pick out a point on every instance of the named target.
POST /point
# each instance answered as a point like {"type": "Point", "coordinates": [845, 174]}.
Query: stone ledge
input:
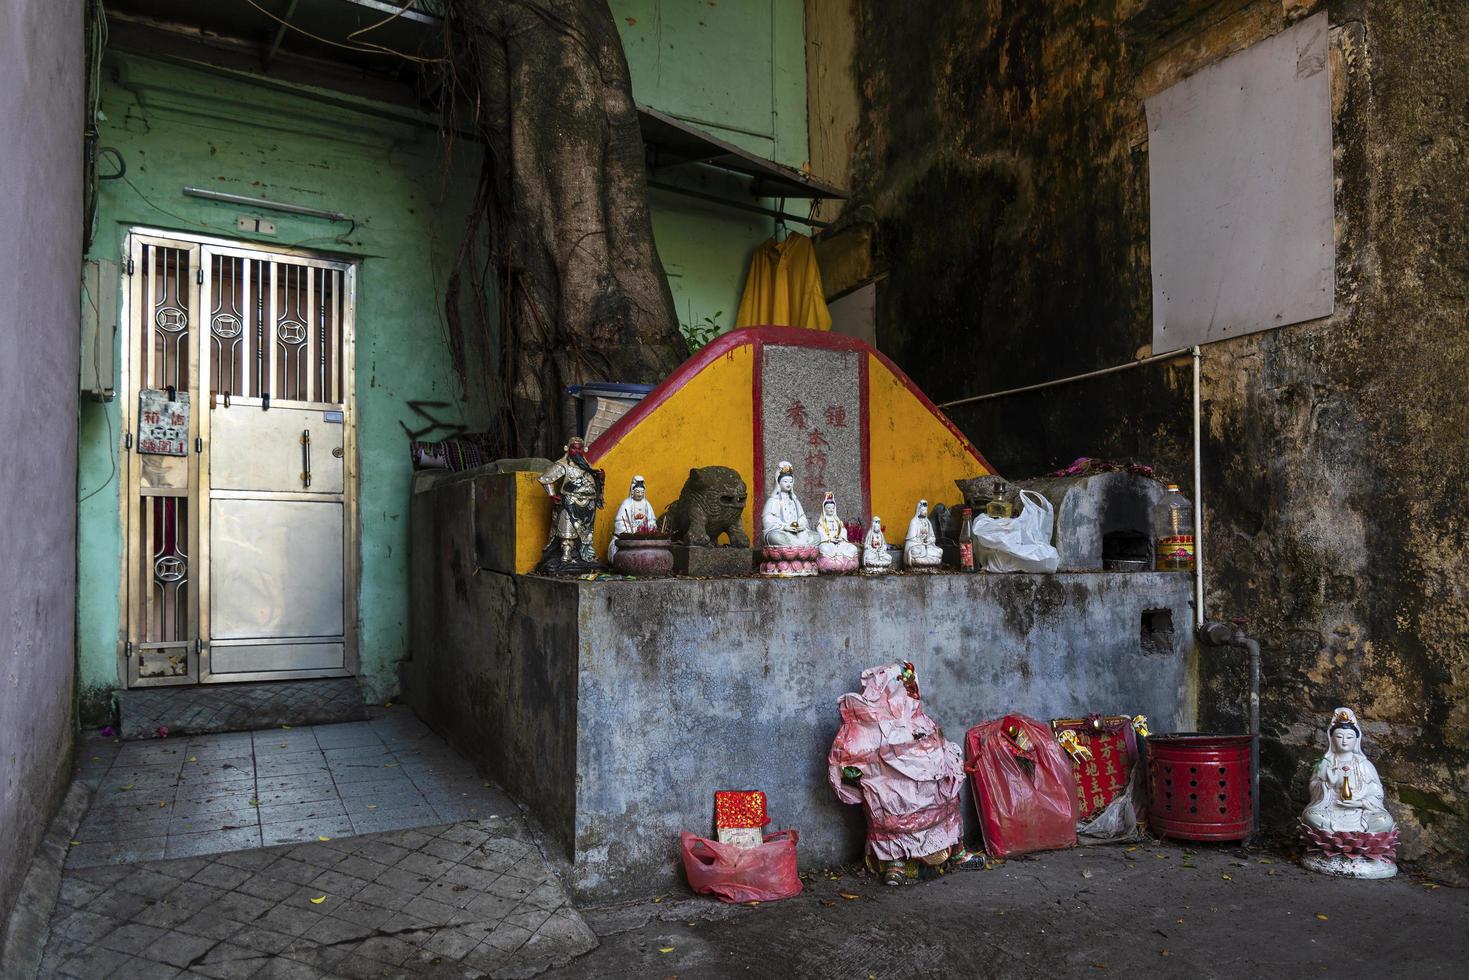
{"type": "Point", "coordinates": [210, 708]}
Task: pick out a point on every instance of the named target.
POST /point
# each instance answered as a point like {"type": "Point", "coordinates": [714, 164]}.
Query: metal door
{"type": "Point", "coordinates": [271, 495]}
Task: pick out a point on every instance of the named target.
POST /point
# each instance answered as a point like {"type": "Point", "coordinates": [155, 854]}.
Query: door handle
{"type": "Point", "coordinates": [306, 457]}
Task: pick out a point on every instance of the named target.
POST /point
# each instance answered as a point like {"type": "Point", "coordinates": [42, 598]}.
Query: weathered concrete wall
{"type": "Point", "coordinates": [1003, 158]}
{"type": "Point", "coordinates": [40, 240]}
{"type": "Point", "coordinates": [687, 687]}
{"type": "Point", "coordinates": [494, 658]}
{"type": "Point", "coordinates": [614, 710]}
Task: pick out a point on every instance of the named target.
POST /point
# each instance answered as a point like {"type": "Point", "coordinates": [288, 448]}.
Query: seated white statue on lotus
{"type": "Point", "coordinates": [783, 521]}
{"type": "Point", "coordinates": [875, 557]}
{"type": "Point", "coordinates": [1347, 828]}
{"type": "Point", "coordinates": [921, 548]}
{"type": "Point", "coordinates": [837, 553]}
{"type": "Point", "coordinates": [635, 514]}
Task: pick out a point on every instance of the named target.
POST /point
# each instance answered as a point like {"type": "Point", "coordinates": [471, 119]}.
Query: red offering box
{"type": "Point", "coordinates": [739, 809]}
{"type": "Point", "coordinates": [1114, 753]}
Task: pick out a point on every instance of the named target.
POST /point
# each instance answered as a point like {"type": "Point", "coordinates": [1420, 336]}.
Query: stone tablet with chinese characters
{"type": "Point", "coordinates": [163, 425]}
{"type": "Point", "coordinates": [811, 414]}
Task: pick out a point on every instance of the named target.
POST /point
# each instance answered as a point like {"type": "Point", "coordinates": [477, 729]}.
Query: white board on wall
{"type": "Point", "coordinates": [1240, 188]}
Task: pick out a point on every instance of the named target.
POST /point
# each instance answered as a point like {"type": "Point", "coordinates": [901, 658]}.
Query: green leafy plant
{"type": "Point", "coordinates": [700, 333]}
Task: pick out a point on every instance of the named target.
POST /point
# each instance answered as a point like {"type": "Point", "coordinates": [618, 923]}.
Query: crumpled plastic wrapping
{"type": "Point", "coordinates": [1025, 793]}
{"type": "Point", "coordinates": [910, 775]}
{"type": "Point", "coordinates": [737, 874]}
{"type": "Point", "coordinates": [1117, 822]}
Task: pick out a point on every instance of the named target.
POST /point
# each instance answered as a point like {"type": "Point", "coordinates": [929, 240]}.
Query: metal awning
{"type": "Point", "coordinates": [370, 34]}
{"type": "Point", "coordinates": [672, 142]}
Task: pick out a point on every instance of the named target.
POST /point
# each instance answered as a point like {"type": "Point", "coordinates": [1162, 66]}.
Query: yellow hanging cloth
{"type": "Point", "coordinates": [784, 287]}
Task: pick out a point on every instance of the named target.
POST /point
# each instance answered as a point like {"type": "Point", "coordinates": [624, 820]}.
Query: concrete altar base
{"type": "Point", "coordinates": [614, 710]}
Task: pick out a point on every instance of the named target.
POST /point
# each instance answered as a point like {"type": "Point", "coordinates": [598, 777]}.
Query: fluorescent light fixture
{"type": "Point", "coordinates": [260, 202]}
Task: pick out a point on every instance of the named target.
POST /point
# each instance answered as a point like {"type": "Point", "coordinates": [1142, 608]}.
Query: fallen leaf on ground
{"type": "Point", "coordinates": [657, 899]}
{"type": "Point", "coordinates": [1430, 885]}
{"type": "Point", "coordinates": [285, 726]}
{"type": "Point", "coordinates": [1086, 873]}
{"type": "Point", "coordinates": [323, 838]}
{"type": "Point", "coordinates": [1132, 848]}
{"type": "Point", "coordinates": [390, 765]}
{"type": "Point", "coordinates": [254, 802]}
{"type": "Point", "coordinates": [1099, 966]}
{"type": "Point", "coordinates": [752, 904]}
{"type": "Point", "coordinates": [1162, 952]}
{"type": "Point", "coordinates": [821, 901]}
{"type": "Point", "coordinates": [193, 758]}
{"type": "Point", "coordinates": [1322, 916]}
{"type": "Point", "coordinates": [1226, 877]}
{"type": "Point", "coordinates": [665, 949]}
{"type": "Point", "coordinates": [849, 896]}
{"type": "Point", "coordinates": [1266, 861]}
{"type": "Point", "coordinates": [76, 842]}
{"type": "Point", "coordinates": [372, 806]}
{"type": "Point", "coordinates": [318, 900]}
{"type": "Point", "coordinates": [128, 786]}
{"type": "Point", "coordinates": [1187, 865]}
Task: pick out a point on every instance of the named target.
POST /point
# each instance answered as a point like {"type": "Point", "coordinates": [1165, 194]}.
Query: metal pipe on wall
{"type": "Point", "coordinates": [1198, 500]}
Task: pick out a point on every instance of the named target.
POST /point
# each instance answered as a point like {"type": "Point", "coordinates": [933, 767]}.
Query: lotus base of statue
{"type": "Point", "coordinates": [789, 561]}
{"type": "Point", "coordinates": [1350, 854]}
{"type": "Point", "coordinates": [836, 565]}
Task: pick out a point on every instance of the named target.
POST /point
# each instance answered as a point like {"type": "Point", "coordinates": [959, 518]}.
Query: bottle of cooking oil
{"type": "Point", "coordinates": [1173, 532]}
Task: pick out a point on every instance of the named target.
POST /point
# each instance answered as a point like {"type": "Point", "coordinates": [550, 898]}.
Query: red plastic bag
{"type": "Point", "coordinates": [1023, 786]}
{"type": "Point", "coordinates": [743, 874]}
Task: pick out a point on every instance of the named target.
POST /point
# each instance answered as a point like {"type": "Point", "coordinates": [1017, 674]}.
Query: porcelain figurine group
{"type": "Point", "coordinates": [711, 506]}
{"type": "Point", "coordinates": [790, 547]}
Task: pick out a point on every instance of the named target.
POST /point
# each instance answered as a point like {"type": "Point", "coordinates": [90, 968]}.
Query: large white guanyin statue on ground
{"type": "Point", "coordinates": [1346, 827]}
{"type": "Point", "coordinates": [921, 551]}
{"type": "Point", "coordinates": [783, 522]}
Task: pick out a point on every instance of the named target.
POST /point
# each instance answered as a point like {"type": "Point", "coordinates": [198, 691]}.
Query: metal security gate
{"type": "Point", "coordinates": [240, 510]}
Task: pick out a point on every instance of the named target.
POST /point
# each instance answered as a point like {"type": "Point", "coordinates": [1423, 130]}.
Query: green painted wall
{"type": "Point", "coordinates": [175, 127]}
{"type": "Point", "coordinates": [736, 68]}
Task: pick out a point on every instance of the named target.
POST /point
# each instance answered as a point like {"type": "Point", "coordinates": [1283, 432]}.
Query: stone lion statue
{"type": "Point", "coordinates": [712, 503]}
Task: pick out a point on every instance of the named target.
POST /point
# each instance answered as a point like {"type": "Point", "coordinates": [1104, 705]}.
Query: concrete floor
{"type": "Point", "coordinates": [428, 871]}
{"type": "Point", "coordinates": [393, 858]}
{"type": "Point", "coordinates": [1158, 911]}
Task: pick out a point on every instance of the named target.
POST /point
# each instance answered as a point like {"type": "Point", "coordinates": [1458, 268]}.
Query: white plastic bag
{"type": "Point", "coordinates": [1018, 544]}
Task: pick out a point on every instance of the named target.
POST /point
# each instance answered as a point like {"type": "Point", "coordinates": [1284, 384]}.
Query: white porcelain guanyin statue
{"type": "Point", "coordinates": [1346, 827]}
{"type": "Point", "coordinates": [875, 557]}
{"type": "Point", "coordinates": [783, 521]}
{"type": "Point", "coordinates": [838, 555]}
{"type": "Point", "coordinates": [921, 550]}
{"type": "Point", "coordinates": [635, 514]}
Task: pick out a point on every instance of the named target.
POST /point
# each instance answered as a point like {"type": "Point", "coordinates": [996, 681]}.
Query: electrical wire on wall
{"type": "Point", "coordinates": [96, 44]}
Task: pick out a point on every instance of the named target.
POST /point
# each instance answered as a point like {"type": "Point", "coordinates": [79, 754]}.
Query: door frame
{"type": "Point", "coordinates": [130, 581]}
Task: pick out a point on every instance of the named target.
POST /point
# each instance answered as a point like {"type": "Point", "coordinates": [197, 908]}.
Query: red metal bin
{"type": "Point", "coordinates": [1200, 786]}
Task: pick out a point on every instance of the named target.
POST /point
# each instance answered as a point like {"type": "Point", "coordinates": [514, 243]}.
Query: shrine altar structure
{"type": "Point", "coordinates": [614, 709]}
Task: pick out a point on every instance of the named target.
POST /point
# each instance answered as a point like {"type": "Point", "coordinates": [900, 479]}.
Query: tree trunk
{"type": "Point", "coordinates": [582, 293]}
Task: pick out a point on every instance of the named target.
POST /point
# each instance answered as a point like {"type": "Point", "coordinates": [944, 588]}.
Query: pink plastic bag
{"type": "Point", "coordinates": [743, 874]}
{"type": "Point", "coordinates": [1024, 790]}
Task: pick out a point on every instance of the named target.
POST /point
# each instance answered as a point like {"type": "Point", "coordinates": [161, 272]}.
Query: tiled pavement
{"type": "Point", "coordinates": [466, 900]}
{"type": "Point", "coordinates": [394, 860]}
{"type": "Point", "coordinates": [180, 797]}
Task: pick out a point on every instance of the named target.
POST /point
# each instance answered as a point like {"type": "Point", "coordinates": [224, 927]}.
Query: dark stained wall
{"type": "Point", "coordinates": [1002, 158]}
